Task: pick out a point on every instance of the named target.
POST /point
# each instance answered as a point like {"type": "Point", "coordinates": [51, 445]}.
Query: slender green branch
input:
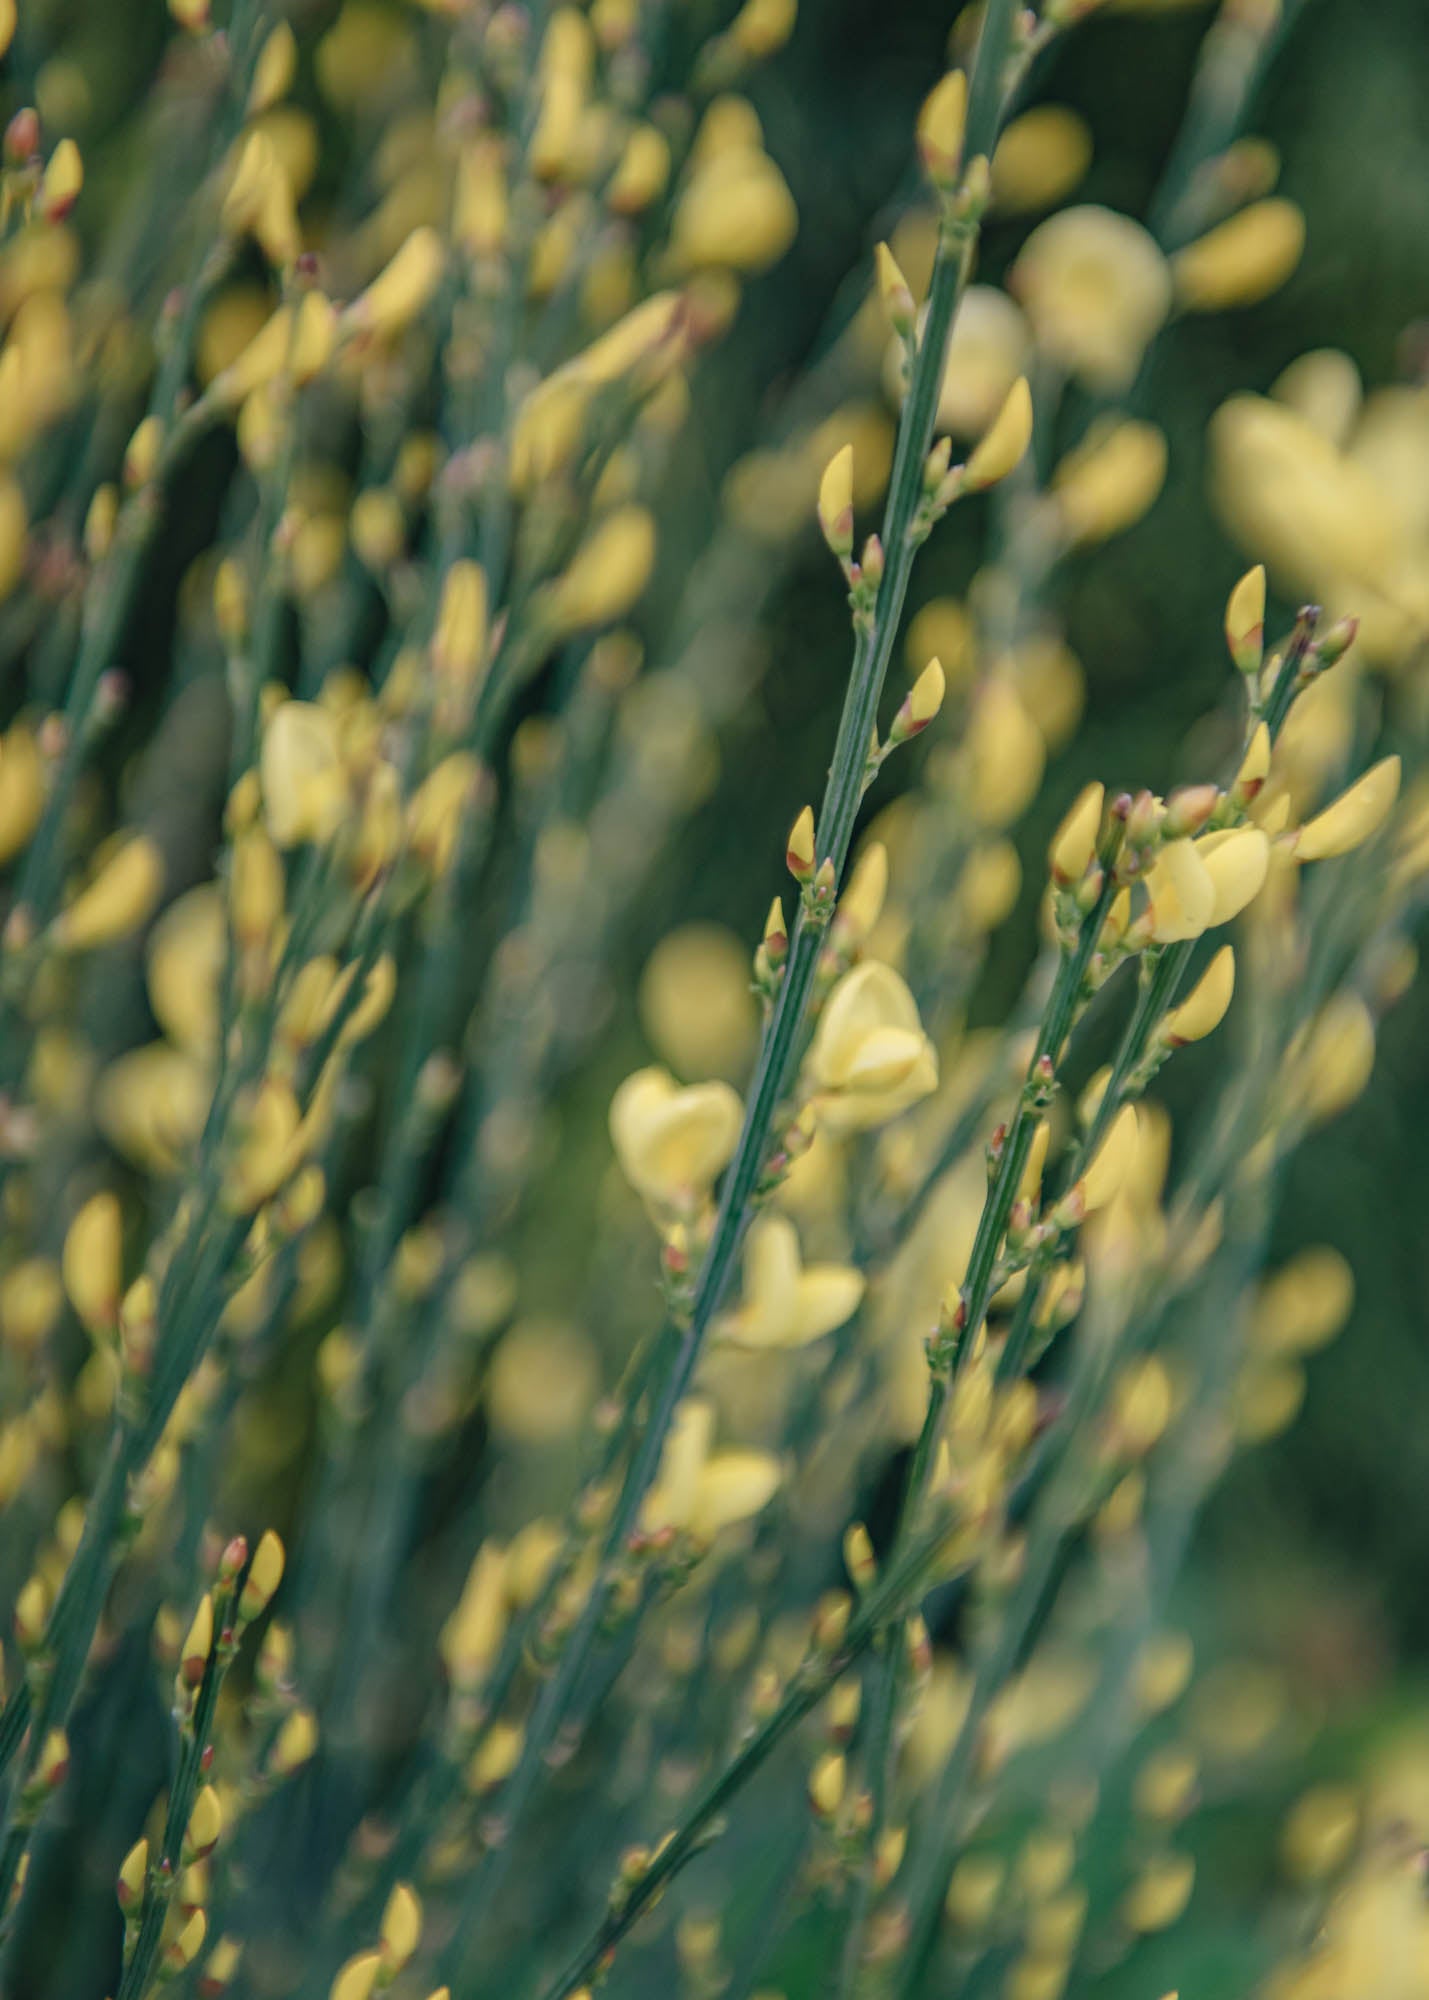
{"type": "Point", "coordinates": [898, 1591]}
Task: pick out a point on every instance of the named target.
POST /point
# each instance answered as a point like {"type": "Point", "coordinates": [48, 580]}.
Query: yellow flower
{"type": "Point", "coordinates": [185, 955]}
{"type": "Point", "coordinates": [151, 1105]}
{"type": "Point", "coordinates": [870, 1058]}
{"type": "Point", "coordinates": [1039, 159]}
{"type": "Point", "coordinates": [1241, 260]}
{"type": "Point", "coordinates": [1204, 1008]}
{"type": "Point", "coordinates": [700, 1492]}
{"type": "Point", "coordinates": [1111, 479]}
{"type": "Point", "coordinates": [672, 1143]}
{"type": "Point", "coordinates": [1236, 859]}
{"type": "Point", "coordinates": [473, 1633]}
{"type": "Point", "coordinates": [988, 351]}
{"type": "Point", "coordinates": [119, 899]}
{"type": "Point", "coordinates": [695, 1003]}
{"type": "Point", "coordinates": [304, 785]}
{"type": "Point", "coordinates": [1001, 450]}
{"type": "Point", "coordinates": [1096, 290]}
{"type": "Point", "coordinates": [1180, 893]}
{"type": "Point", "coordinates": [736, 213]}
{"type": "Point", "coordinates": [787, 1303]}
{"type": "Point", "coordinates": [1348, 821]}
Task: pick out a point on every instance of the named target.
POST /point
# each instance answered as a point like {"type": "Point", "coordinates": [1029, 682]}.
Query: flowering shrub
{"type": "Point", "coordinates": [439, 1544]}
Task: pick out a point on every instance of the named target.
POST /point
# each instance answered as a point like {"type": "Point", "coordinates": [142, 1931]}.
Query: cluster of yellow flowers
{"type": "Point", "coordinates": [295, 1221]}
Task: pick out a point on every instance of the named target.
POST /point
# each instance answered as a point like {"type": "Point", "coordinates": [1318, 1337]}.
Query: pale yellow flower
{"type": "Point", "coordinates": [1096, 289]}
{"type": "Point", "coordinates": [787, 1303]}
{"type": "Point", "coordinates": [300, 767]}
{"type": "Point", "coordinates": [870, 1058]}
{"type": "Point", "coordinates": [671, 1142]}
{"type": "Point", "coordinates": [700, 1492]}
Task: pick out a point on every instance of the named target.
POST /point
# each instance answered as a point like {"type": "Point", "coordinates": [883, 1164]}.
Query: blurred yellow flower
{"type": "Point", "coordinates": [870, 1058]}
{"type": "Point", "coordinates": [787, 1303]}
{"type": "Point", "coordinates": [671, 1142]}
{"type": "Point", "coordinates": [1096, 289]}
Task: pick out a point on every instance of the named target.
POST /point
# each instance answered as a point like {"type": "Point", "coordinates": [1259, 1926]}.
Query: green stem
{"type": "Point", "coordinates": [681, 1346]}
{"type": "Point", "coordinates": [976, 1296]}
{"type": "Point", "coordinates": [883, 1605]}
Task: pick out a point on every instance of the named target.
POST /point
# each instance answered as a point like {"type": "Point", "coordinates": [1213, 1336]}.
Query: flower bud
{"type": "Point", "coordinates": [1245, 621]}
{"type": "Point", "coordinates": [1074, 844]}
{"type": "Point", "coordinates": [836, 503]}
{"type": "Point", "coordinates": [941, 124]}
{"type": "Point", "coordinates": [121, 897]}
{"type": "Point", "coordinates": [91, 1264]}
{"type": "Point", "coordinates": [799, 852]}
{"type": "Point", "coordinates": [1242, 260]}
{"type": "Point", "coordinates": [1002, 448]}
{"type": "Point", "coordinates": [264, 1575]}
{"type": "Point", "coordinates": [1204, 1008]}
{"type": "Point", "coordinates": [1348, 821]}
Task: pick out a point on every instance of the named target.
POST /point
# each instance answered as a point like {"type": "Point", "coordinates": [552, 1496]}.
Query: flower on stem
{"type": "Point", "coordinates": [1074, 844]}
{"type": "Point", "coordinates": [671, 1142]}
{"type": "Point", "coordinates": [1205, 1007]}
{"type": "Point", "coordinates": [787, 1303]}
{"type": "Point", "coordinates": [942, 122]}
{"type": "Point", "coordinates": [1109, 481]}
{"type": "Point", "coordinates": [401, 1928]}
{"type": "Point", "coordinates": [1004, 445]}
{"type": "Point", "coordinates": [836, 504]}
{"type": "Point", "coordinates": [1350, 820]}
{"type": "Point", "coordinates": [1242, 260]}
{"type": "Point", "coordinates": [305, 787]}
{"type": "Point", "coordinates": [699, 1492]}
{"type": "Point", "coordinates": [920, 705]}
{"type": "Point", "coordinates": [870, 1058]}
{"type": "Point", "coordinates": [401, 290]}
{"type": "Point", "coordinates": [1096, 289]}
{"type": "Point", "coordinates": [121, 897]}
{"type": "Point", "coordinates": [895, 293]}
{"type": "Point", "coordinates": [91, 1263]}
{"type": "Point", "coordinates": [1245, 621]}
{"type": "Point", "coordinates": [799, 852]}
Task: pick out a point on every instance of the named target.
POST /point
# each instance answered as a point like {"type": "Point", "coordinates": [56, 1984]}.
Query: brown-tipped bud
{"type": "Point", "coordinates": [263, 1578]}
{"type": "Point", "coordinates": [776, 937]}
{"type": "Point", "coordinates": [184, 1948]}
{"type": "Point", "coordinates": [941, 125]}
{"type": "Point", "coordinates": [234, 1555]}
{"type": "Point", "coordinates": [53, 1762]}
{"type": "Point", "coordinates": [219, 1968]}
{"type": "Point", "coordinates": [1143, 822]}
{"type": "Point", "coordinates": [859, 1559]}
{"type": "Point", "coordinates": [894, 291]}
{"type": "Point", "coordinates": [799, 854]}
{"type": "Point", "coordinates": [205, 1825]}
{"type": "Point", "coordinates": [870, 569]}
{"type": "Point", "coordinates": [22, 137]}
{"type": "Point", "coordinates": [32, 1610]}
{"type": "Point", "coordinates": [1245, 621]}
{"type": "Point", "coordinates": [1332, 645]}
{"type": "Point", "coordinates": [62, 180]}
{"type": "Point", "coordinates": [129, 1888]}
{"type": "Point", "coordinates": [1188, 810]}
{"type": "Point", "coordinates": [836, 503]}
{"type": "Point", "coordinates": [401, 1926]}
{"type": "Point", "coordinates": [920, 705]}
{"type": "Point", "coordinates": [831, 1616]}
{"type": "Point", "coordinates": [1003, 446]}
{"type": "Point", "coordinates": [1075, 842]}
{"type": "Point", "coordinates": [1255, 767]}
{"type": "Point", "coordinates": [826, 1784]}
{"type": "Point", "coordinates": [194, 1653]}
{"type": "Point", "coordinates": [139, 1325]}
{"type": "Point", "coordinates": [845, 1701]}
